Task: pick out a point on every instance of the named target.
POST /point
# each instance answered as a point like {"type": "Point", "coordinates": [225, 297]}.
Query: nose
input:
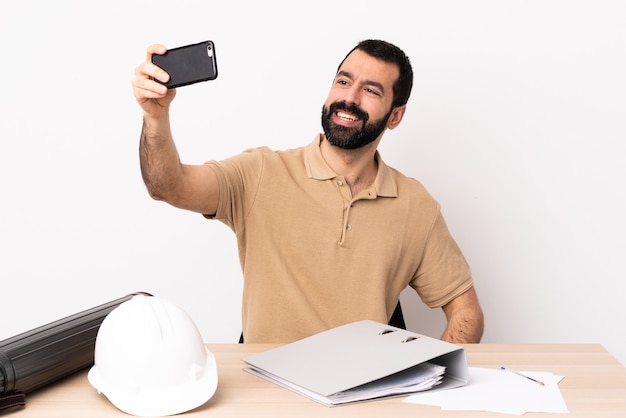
{"type": "Point", "coordinates": [352, 95]}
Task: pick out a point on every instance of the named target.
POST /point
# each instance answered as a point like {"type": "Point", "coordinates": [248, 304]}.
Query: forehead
{"type": "Point", "coordinates": [362, 66]}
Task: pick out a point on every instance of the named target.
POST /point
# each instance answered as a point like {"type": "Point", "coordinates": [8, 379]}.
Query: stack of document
{"type": "Point", "coordinates": [415, 379]}
{"type": "Point", "coordinates": [362, 361]}
{"type": "Point", "coordinates": [422, 377]}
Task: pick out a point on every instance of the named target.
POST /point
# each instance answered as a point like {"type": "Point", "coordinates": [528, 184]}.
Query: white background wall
{"type": "Point", "coordinates": [516, 124]}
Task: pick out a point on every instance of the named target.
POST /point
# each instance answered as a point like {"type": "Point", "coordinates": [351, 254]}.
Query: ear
{"type": "Point", "coordinates": [396, 117]}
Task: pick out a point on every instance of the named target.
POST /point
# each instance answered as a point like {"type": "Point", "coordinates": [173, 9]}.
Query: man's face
{"type": "Point", "coordinates": [358, 106]}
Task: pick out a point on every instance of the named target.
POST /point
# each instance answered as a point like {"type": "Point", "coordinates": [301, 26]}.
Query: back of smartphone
{"type": "Point", "coordinates": [188, 64]}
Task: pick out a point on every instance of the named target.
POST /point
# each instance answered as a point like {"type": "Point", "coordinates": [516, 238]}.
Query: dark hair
{"type": "Point", "coordinates": [390, 53]}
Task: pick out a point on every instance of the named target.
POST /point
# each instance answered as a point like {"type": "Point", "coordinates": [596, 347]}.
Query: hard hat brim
{"type": "Point", "coordinates": [163, 401]}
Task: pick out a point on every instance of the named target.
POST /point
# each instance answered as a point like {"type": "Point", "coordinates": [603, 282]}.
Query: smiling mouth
{"type": "Point", "coordinates": [347, 116]}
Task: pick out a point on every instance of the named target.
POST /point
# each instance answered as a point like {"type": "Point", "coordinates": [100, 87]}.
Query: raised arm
{"type": "Point", "coordinates": [465, 319]}
{"type": "Point", "coordinates": [191, 187]}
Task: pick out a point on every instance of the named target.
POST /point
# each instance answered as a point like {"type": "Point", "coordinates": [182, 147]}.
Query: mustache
{"type": "Point", "coordinates": [360, 113]}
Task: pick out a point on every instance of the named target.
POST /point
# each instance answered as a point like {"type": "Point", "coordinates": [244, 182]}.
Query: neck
{"type": "Point", "coordinates": [357, 166]}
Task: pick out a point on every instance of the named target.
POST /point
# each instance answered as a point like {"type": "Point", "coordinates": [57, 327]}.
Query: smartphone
{"type": "Point", "coordinates": [188, 64]}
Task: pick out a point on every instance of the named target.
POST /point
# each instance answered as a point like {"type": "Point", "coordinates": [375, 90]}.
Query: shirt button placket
{"type": "Point", "coordinates": [346, 210]}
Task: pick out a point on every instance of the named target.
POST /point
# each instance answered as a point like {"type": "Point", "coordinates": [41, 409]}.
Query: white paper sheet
{"type": "Point", "coordinates": [500, 391]}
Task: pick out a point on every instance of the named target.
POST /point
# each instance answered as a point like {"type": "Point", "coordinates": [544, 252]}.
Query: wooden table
{"type": "Point", "coordinates": [594, 386]}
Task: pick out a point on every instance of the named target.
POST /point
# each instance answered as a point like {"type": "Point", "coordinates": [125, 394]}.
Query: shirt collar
{"type": "Point", "coordinates": [316, 168]}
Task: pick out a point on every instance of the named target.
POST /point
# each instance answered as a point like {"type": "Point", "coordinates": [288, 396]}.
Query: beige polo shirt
{"type": "Point", "coordinates": [314, 257]}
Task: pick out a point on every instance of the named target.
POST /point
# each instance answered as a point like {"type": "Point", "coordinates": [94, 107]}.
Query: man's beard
{"type": "Point", "coordinates": [351, 138]}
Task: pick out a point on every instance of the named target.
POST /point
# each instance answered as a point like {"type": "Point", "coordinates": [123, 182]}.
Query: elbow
{"type": "Point", "coordinates": [465, 326]}
{"type": "Point", "coordinates": [156, 189]}
{"type": "Point", "coordinates": [472, 326]}
{"type": "Point", "coordinates": [154, 193]}
{"type": "Point", "coordinates": [166, 193]}
{"type": "Point", "coordinates": [479, 327]}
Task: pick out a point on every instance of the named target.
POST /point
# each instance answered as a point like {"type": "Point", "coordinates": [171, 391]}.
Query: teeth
{"type": "Point", "coordinates": [347, 116]}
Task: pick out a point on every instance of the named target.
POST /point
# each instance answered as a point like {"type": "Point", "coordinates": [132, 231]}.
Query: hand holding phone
{"type": "Point", "coordinates": [188, 64]}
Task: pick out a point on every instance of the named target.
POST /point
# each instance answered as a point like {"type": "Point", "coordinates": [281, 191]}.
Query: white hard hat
{"type": "Point", "coordinates": [150, 359]}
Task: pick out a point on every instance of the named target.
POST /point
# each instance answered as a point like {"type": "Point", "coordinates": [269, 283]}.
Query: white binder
{"type": "Point", "coordinates": [352, 362]}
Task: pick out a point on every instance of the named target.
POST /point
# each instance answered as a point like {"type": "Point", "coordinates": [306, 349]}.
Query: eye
{"type": "Point", "coordinates": [370, 90]}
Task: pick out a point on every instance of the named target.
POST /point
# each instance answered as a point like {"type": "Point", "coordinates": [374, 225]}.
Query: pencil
{"type": "Point", "coordinates": [523, 375]}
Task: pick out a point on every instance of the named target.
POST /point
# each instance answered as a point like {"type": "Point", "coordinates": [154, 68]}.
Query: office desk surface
{"type": "Point", "coordinates": [594, 386]}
